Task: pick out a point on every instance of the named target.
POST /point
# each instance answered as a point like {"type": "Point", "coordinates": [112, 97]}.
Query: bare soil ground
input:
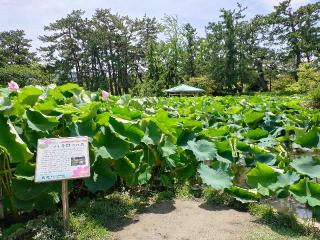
{"type": "Point", "coordinates": [187, 220]}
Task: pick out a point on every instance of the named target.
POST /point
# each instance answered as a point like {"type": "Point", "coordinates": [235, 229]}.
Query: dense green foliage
{"type": "Point", "coordinates": [144, 56]}
{"type": "Point", "coordinates": [250, 147]}
{"type": "Point", "coordinates": [17, 62]}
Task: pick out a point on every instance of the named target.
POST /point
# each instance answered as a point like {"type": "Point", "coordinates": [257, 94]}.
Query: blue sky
{"type": "Point", "coordinates": [33, 15]}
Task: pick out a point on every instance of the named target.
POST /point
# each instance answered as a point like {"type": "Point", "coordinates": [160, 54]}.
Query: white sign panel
{"type": "Point", "coordinates": [62, 158]}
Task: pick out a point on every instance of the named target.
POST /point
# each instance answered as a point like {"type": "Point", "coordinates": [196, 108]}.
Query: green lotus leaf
{"type": "Point", "coordinates": [224, 151]}
{"type": "Point", "coordinates": [282, 193]}
{"type": "Point", "coordinates": [168, 148]}
{"type": "Point", "coordinates": [126, 113]}
{"type": "Point", "coordinates": [243, 195]}
{"type": "Point", "coordinates": [167, 124]}
{"type": "Point", "coordinates": [306, 192]}
{"type": "Point", "coordinates": [188, 123]}
{"type": "Point", "coordinates": [28, 96]}
{"type": "Point", "coordinates": [253, 118]}
{"type": "Point", "coordinates": [310, 139]}
{"type": "Point", "coordinates": [216, 132]}
{"type": "Point", "coordinates": [135, 156]}
{"type": "Point", "coordinates": [26, 190]}
{"type": "Point", "coordinates": [108, 145]}
{"type": "Point", "coordinates": [67, 109]}
{"type": "Point", "coordinates": [46, 201]}
{"type": "Point", "coordinates": [129, 131]}
{"type": "Point", "coordinates": [66, 91]}
{"type": "Point", "coordinates": [87, 128]}
{"type": "Point", "coordinates": [203, 150]}
{"type": "Point", "coordinates": [42, 202]}
{"type": "Point", "coordinates": [256, 134]}
{"type": "Point", "coordinates": [5, 102]}
{"type": "Point", "coordinates": [102, 178]}
{"type": "Point", "coordinates": [218, 177]}
{"type": "Point", "coordinates": [40, 122]}
{"type": "Point", "coordinates": [11, 141]}
{"type": "Point", "coordinates": [70, 87]}
{"type": "Point", "coordinates": [262, 177]}
{"type": "Point", "coordinates": [124, 167]}
{"type": "Point", "coordinates": [46, 107]}
{"type": "Point", "coordinates": [284, 180]}
{"type": "Point", "coordinates": [186, 172]}
{"type": "Point", "coordinates": [103, 119]}
{"type": "Point", "coordinates": [307, 165]}
{"type": "Point", "coordinates": [152, 134]}
{"type": "Point", "coordinates": [25, 170]}
{"type": "Point", "coordinates": [234, 110]}
{"type": "Point", "coordinates": [87, 112]}
{"type": "Point", "coordinates": [184, 137]}
{"type": "Point", "coordinates": [144, 174]}
{"type": "Point", "coordinates": [244, 147]}
{"type": "Point", "coordinates": [266, 158]}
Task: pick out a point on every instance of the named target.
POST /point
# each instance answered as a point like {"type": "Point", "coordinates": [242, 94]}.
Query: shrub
{"type": "Point", "coordinates": [204, 83]}
{"type": "Point", "coordinates": [281, 83]}
{"type": "Point", "coordinates": [308, 79]}
{"type": "Point", "coordinates": [315, 97]}
{"type": "Point", "coordinates": [23, 75]}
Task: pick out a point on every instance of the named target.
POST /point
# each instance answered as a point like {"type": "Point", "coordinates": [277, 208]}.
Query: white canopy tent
{"type": "Point", "coordinates": [184, 90]}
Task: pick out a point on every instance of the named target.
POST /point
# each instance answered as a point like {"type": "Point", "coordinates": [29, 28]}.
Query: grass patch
{"type": "Point", "coordinates": [261, 232]}
{"type": "Point", "coordinates": [89, 219]}
{"type": "Point", "coordinates": [279, 226]}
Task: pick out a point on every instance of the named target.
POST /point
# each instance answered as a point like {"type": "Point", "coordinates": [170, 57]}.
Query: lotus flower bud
{"type": "Point", "coordinates": [13, 86]}
{"type": "Point", "coordinates": [104, 95]}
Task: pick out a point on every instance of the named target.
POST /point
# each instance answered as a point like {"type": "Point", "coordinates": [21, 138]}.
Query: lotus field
{"type": "Point", "coordinates": [251, 147]}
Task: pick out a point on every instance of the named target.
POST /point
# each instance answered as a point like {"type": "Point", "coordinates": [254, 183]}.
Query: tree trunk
{"type": "Point", "coordinates": [263, 85]}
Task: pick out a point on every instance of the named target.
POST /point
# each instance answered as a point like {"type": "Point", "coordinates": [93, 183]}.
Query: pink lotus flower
{"type": "Point", "coordinates": [13, 86]}
{"type": "Point", "coordinates": [81, 172]}
{"type": "Point", "coordinates": [104, 95]}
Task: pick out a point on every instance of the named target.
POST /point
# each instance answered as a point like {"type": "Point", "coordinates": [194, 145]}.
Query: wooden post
{"type": "Point", "coordinates": [65, 204]}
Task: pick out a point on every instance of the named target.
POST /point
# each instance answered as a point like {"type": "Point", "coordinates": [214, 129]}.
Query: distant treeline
{"type": "Point", "coordinates": [144, 56]}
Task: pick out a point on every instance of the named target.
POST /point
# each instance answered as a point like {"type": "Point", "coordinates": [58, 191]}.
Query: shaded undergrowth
{"type": "Point", "coordinates": [89, 219]}
{"type": "Point", "coordinates": [97, 218]}
{"type": "Point", "coordinates": [282, 224]}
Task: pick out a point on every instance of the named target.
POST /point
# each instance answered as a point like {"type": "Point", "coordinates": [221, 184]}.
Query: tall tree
{"type": "Point", "coordinates": [296, 31]}
{"type": "Point", "coordinates": [15, 48]}
{"type": "Point", "coordinates": [173, 51]}
{"type": "Point", "coordinates": [17, 61]}
{"type": "Point", "coordinates": [228, 43]}
{"type": "Point", "coordinates": [65, 47]}
{"type": "Point", "coordinates": [191, 50]}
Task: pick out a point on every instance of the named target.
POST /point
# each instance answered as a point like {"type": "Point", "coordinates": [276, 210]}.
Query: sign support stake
{"type": "Point", "coordinates": [65, 204]}
{"type": "Point", "coordinates": [62, 159]}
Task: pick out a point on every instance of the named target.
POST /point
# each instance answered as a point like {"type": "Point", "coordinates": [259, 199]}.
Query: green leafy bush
{"type": "Point", "coordinates": [309, 77]}
{"type": "Point", "coordinates": [23, 75]}
{"type": "Point", "coordinates": [308, 80]}
{"type": "Point", "coordinates": [315, 97]}
{"type": "Point", "coordinates": [204, 83]}
{"type": "Point", "coordinates": [281, 83]}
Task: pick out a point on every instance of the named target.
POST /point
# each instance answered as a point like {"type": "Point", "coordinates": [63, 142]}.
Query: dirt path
{"type": "Point", "coordinates": [187, 220]}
